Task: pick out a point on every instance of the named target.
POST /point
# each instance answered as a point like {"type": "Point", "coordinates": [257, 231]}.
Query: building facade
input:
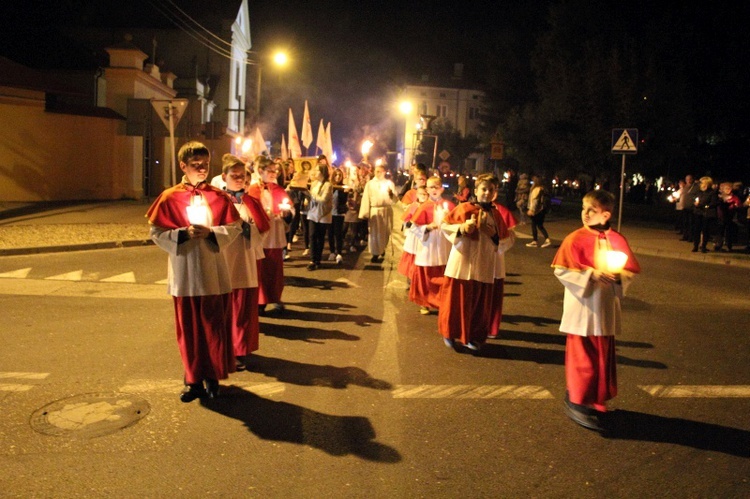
{"type": "Point", "coordinates": [428, 103]}
{"type": "Point", "coordinates": [94, 134]}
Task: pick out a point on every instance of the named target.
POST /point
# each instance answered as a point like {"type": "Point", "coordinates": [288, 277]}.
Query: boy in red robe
{"type": "Point", "coordinates": [594, 282]}
{"type": "Point", "coordinates": [432, 248]}
{"type": "Point", "coordinates": [242, 258]}
{"type": "Point", "coordinates": [194, 222]}
{"type": "Point", "coordinates": [278, 207]}
{"type": "Point", "coordinates": [476, 230]}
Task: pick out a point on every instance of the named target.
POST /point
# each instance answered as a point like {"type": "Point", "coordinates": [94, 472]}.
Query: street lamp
{"type": "Point", "coordinates": [280, 59]}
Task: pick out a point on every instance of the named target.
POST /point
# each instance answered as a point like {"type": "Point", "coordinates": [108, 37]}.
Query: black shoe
{"type": "Point", "coordinates": [212, 389]}
{"type": "Point", "coordinates": [704, 250]}
{"type": "Point", "coordinates": [375, 259]}
{"type": "Point", "coordinates": [312, 266]}
{"type": "Point", "coordinates": [583, 416]}
{"type": "Point", "coordinates": [261, 310]}
{"type": "Point", "coordinates": [240, 364]}
{"type": "Point", "coordinates": [192, 392]}
{"type": "Point", "coordinates": [694, 250]}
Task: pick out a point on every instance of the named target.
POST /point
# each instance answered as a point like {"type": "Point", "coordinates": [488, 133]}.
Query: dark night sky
{"type": "Point", "coordinates": [345, 53]}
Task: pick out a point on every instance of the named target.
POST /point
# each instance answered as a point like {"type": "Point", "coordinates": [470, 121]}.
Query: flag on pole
{"type": "Point", "coordinates": [294, 148]}
{"type": "Point", "coordinates": [328, 151]}
{"type": "Point", "coordinates": [284, 151]}
{"type": "Point", "coordinates": [259, 143]}
{"type": "Point", "coordinates": [306, 128]}
{"type": "Point", "coordinates": [321, 142]}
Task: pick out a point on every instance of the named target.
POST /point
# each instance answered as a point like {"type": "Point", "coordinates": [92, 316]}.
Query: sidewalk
{"type": "Point", "coordinates": [36, 228]}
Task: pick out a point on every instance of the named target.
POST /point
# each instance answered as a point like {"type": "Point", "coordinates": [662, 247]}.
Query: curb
{"type": "Point", "coordinates": [697, 257]}
{"type": "Point", "coordinates": [75, 247]}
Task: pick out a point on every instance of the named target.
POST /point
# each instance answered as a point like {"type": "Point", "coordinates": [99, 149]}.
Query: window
{"type": "Point", "coordinates": [442, 111]}
{"type": "Point", "coordinates": [237, 83]}
{"type": "Point", "coordinates": [423, 107]}
{"type": "Point", "coordinates": [442, 95]}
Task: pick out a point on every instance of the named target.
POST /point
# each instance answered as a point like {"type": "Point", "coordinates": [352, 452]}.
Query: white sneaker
{"type": "Point", "coordinates": [307, 251]}
{"type": "Point", "coordinates": [546, 243]}
{"type": "Point", "coordinates": [353, 249]}
{"type": "Point", "coordinates": [332, 257]}
{"type": "Point", "coordinates": [339, 259]}
{"type": "Point", "coordinates": [295, 238]}
{"type": "Point", "coordinates": [532, 244]}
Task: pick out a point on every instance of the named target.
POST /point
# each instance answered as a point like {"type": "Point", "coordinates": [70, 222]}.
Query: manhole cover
{"type": "Point", "coordinates": [89, 415]}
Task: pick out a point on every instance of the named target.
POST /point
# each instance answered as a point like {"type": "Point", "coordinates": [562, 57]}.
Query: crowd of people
{"type": "Point", "coordinates": [710, 213]}
{"type": "Point", "coordinates": [227, 240]}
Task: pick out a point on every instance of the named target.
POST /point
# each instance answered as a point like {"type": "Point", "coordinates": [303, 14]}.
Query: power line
{"type": "Point", "coordinates": [184, 26]}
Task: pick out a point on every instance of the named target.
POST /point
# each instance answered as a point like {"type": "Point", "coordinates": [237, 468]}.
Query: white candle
{"type": "Point", "coordinates": [198, 212]}
{"type": "Point", "coordinates": [284, 205]}
{"type": "Point", "coordinates": [616, 261]}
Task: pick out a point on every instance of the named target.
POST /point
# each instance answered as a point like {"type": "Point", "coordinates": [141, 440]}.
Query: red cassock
{"type": "Point", "coordinates": [431, 256]}
{"type": "Point", "coordinates": [499, 291]}
{"type": "Point", "coordinates": [409, 197]}
{"type": "Point", "coordinates": [590, 360]}
{"type": "Point", "coordinates": [406, 263]}
{"type": "Point", "coordinates": [466, 304]}
{"type": "Point", "coordinates": [271, 268]}
{"type": "Point", "coordinates": [245, 323]}
{"type": "Point", "coordinates": [202, 331]}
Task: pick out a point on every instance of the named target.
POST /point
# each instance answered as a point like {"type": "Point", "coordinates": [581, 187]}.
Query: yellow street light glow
{"type": "Point", "coordinates": [238, 140]}
{"type": "Point", "coordinates": [405, 107]}
{"type": "Point", "coordinates": [280, 58]}
{"type": "Point", "coordinates": [247, 145]}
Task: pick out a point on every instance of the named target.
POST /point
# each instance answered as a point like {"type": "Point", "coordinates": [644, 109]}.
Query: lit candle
{"type": "Point", "coordinates": [284, 205]}
{"type": "Point", "coordinates": [616, 261]}
{"type": "Point", "coordinates": [198, 212]}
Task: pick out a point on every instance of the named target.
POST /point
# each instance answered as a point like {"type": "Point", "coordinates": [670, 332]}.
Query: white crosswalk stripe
{"type": "Point", "coordinates": [20, 387]}
{"type": "Point", "coordinates": [471, 392]}
{"type": "Point", "coordinates": [697, 391]}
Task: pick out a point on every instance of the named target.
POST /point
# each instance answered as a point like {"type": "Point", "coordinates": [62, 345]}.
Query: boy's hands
{"type": "Point", "coordinates": [469, 226]}
{"type": "Point", "coordinates": [605, 277]}
{"type": "Point", "coordinates": [198, 231]}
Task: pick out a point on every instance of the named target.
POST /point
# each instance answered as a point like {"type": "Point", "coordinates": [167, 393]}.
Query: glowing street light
{"type": "Point", "coordinates": [280, 59]}
{"type": "Point", "coordinates": [406, 107]}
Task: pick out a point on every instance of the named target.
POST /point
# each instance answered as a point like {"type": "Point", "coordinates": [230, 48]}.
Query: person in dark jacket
{"type": "Point", "coordinates": [704, 214]}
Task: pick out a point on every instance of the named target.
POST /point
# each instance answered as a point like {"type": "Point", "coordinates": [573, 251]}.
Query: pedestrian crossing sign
{"type": "Point", "coordinates": [624, 141]}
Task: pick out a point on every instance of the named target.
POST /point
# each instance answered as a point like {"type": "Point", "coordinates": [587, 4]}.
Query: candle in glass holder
{"type": "Point", "coordinates": [616, 261]}
{"type": "Point", "coordinates": [198, 212]}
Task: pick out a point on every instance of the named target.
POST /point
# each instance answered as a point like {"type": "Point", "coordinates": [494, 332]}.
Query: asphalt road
{"type": "Point", "coordinates": [353, 394]}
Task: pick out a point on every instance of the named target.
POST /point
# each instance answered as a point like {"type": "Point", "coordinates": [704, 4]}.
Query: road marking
{"type": "Point", "coordinates": [76, 275]}
{"type": "Point", "coordinates": [18, 387]}
{"type": "Point", "coordinates": [697, 391]}
{"type": "Point", "coordinates": [176, 385]}
{"type": "Point", "coordinates": [19, 375]}
{"type": "Point", "coordinates": [14, 387]}
{"type": "Point", "coordinates": [126, 277]}
{"type": "Point", "coordinates": [471, 392]}
{"type": "Point", "coordinates": [17, 274]}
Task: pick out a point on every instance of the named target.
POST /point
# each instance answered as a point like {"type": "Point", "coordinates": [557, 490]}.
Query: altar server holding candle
{"type": "Point", "coordinates": [194, 223]}
{"type": "Point", "coordinates": [242, 258]}
{"type": "Point", "coordinates": [278, 207]}
{"type": "Point", "coordinates": [431, 248]}
{"type": "Point", "coordinates": [595, 264]}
